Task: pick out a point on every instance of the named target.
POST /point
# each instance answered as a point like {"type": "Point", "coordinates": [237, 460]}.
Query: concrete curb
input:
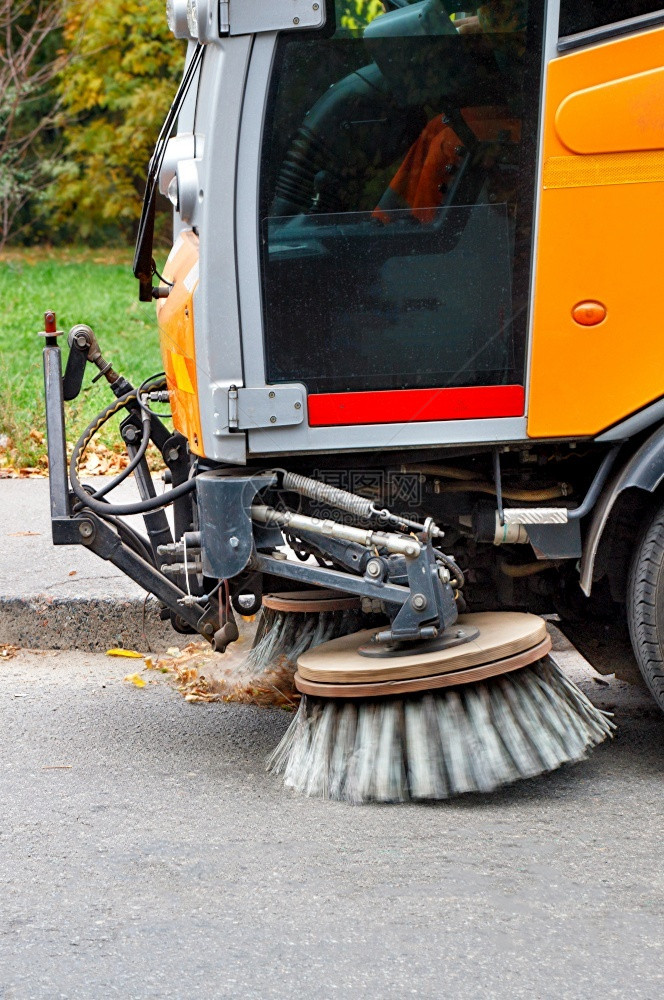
{"type": "Point", "coordinates": [93, 624]}
{"type": "Point", "coordinates": [67, 597]}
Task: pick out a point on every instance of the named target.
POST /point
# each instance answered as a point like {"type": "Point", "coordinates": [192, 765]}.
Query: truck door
{"type": "Point", "coordinates": [398, 159]}
{"type": "Point", "coordinates": [598, 350]}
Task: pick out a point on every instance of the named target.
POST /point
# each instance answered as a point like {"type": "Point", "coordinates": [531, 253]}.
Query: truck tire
{"type": "Point", "coordinates": [645, 605]}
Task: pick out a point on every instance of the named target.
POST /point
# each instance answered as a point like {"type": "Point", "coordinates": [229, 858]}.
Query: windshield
{"type": "Point", "coordinates": [397, 192]}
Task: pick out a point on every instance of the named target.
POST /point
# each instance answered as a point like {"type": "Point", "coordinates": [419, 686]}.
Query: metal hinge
{"type": "Point", "coordinates": [250, 17]}
{"type": "Point", "coordinates": [268, 406]}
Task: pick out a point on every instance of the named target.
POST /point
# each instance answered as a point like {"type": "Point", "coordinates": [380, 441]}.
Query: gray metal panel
{"type": "Point", "coordinates": [218, 349]}
{"type": "Point", "coordinates": [248, 247]}
{"type": "Point", "coordinates": [552, 19]}
{"type": "Point", "coordinates": [186, 120]}
{"type": "Point", "coordinates": [254, 16]}
{"type": "Point", "coordinates": [369, 437]}
{"type": "Point", "coordinates": [535, 515]}
{"type": "Point", "coordinates": [556, 541]}
{"type": "Point", "coordinates": [634, 424]}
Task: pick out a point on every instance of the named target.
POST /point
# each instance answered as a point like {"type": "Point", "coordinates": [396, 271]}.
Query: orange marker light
{"type": "Point", "coordinates": [589, 313]}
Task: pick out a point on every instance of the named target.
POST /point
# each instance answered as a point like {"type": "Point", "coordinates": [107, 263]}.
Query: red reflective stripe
{"type": "Point", "coordinates": [415, 405]}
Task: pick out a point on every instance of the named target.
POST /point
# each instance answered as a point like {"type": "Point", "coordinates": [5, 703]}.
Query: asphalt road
{"type": "Point", "coordinates": [145, 853]}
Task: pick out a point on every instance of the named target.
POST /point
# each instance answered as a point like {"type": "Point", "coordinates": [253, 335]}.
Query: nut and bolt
{"type": "Point", "coordinates": [172, 454]}
{"type": "Point", "coordinates": [298, 406]}
{"type": "Point", "coordinates": [130, 433]}
{"type": "Point", "coordinates": [315, 7]}
{"type": "Point", "coordinates": [374, 568]}
{"type": "Point", "coordinates": [460, 633]}
{"type": "Point", "coordinates": [444, 574]}
{"type": "Point", "coordinates": [86, 529]}
{"type": "Point", "coordinates": [296, 20]}
{"type": "Point", "coordinates": [418, 602]}
{"type": "Point", "coordinates": [233, 541]}
{"type": "Point", "coordinates": [208, 629]}
{"type": "Point", "coordinates": [271, 395]}
{"type": "Point", "coordinates": [273, 420]}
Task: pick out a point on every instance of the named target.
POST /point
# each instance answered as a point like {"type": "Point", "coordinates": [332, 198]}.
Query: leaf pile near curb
{"type": "Point", "coordinates": [229, 680]}
{"type": "Point", "coordinates": [98, 460]}
{"type": "Point", "coordinates": [7, 651]}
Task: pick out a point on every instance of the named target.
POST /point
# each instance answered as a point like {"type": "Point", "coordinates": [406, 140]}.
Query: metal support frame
{"type": "Point", "coordinates": [101, 539]}
{"type": "Point", "coordinates": [93, 531]}
{"type": "Point", "coordinates": [156, 522]}
{"type": "Point", "coordinates": [423, 608]}
{"type": "Point", "coordinates": [426, 606]}
{"type": "Point", "coordinates": [55, 421]}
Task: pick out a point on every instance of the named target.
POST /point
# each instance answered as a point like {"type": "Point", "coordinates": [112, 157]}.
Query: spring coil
{"type": "Point", "coordinates": [332, 495]}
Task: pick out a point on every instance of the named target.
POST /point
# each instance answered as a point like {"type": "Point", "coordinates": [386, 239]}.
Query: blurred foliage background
{"type": "Point", "coordinates": [84, 88]}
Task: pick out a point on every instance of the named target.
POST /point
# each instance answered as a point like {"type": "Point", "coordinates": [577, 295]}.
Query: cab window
{"type": "Point", "coordinates": [397, 192]}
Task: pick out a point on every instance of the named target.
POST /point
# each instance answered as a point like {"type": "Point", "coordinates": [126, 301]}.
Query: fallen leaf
{"type": "Point", "coordinates": [7, 651]}
{"type": "Point", "coordinates": [131, 653]}
{"type": "Point", "coordinates": [135, 679]}
{"type": "Point", "coordinates": [72, 572]}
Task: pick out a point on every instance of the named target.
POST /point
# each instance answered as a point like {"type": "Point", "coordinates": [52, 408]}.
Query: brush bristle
{"type": "Point", "coordinates": [440, 744]}
{"type": "Point", "coordinates": [283, 636]}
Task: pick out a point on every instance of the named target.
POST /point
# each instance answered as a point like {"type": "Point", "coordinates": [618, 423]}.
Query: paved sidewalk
{"type": "Point", "coordinates": [58, 597]}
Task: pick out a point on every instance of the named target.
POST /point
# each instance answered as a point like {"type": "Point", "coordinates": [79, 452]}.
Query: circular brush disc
{"type": "Point", "coordinates": [311, 601]}
{"type": "Point", "coordinates": [507, 641]}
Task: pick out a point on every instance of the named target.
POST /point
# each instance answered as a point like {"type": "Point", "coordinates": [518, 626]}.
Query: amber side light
{"type": "Point", "coordinates": [589, 313]}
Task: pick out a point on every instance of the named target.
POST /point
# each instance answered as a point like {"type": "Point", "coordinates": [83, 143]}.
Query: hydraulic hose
{"type": "Point", "coordinates": [136, 460]}
{"type": "Point", "coordinates": [100, 507]}
{"type": "Point", "coordinates": [145, 438]}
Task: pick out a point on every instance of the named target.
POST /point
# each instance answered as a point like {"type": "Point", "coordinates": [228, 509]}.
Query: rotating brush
{"type": "Point", "coordinates": [292, 623]}
{"type": "Point", "coordinates": [502, 711]}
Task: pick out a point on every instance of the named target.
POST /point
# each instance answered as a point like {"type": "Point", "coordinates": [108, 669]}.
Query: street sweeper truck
{"type": "Point", "coordinates": [414, 364]}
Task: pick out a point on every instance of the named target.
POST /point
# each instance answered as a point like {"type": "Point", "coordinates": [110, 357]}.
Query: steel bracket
{"type": "Point", "coordinates": [250, 17]}
{"type": "Point", "coordinates": [224, 511]}
{"type": "Point", "coordinates": [66, 531]}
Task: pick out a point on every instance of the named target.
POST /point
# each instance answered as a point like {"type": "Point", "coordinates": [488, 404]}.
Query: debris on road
{"type": "Point", "coordinates": [135, 679]}
{"type": "Point", "coordinates": [227, 678]}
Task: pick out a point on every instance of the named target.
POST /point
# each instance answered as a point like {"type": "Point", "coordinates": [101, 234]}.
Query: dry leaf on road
{"type": "Point", "coordinates": [135, 679]}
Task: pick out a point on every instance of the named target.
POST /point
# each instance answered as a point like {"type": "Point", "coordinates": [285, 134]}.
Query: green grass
{"type": "Point", "coordinates": [82, 286]}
